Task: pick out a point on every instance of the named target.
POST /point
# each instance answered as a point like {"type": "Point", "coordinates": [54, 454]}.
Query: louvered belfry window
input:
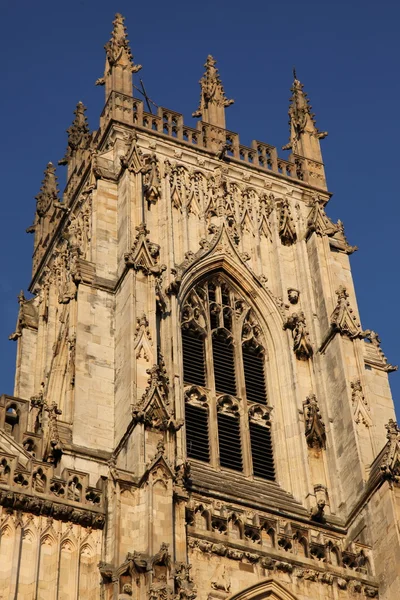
{"type": "Point", "coordinates": [224, 374]}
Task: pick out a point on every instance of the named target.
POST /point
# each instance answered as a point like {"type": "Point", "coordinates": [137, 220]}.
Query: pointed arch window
{"type": "Point", "coordinates": [224, 363]}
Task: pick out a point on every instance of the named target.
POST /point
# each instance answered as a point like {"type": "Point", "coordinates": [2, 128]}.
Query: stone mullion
{"type": "Point", "coordinates": [175, 345]}
{"type": "Point", "coordinates": [212, 401]}
{"type": "Point", "coordinates": [241, 392]}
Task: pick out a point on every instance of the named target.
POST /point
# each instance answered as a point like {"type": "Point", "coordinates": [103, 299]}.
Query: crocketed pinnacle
{"type": "Point", "coordinates": [117, 49]}
{"type": "Point", "coordinates": [212, 97]}
{"type": "Point", "coordinates": [119, 61]}
{"type": "Point", "coordinates": [304, 134]}
{"type": "Point", "coordinates": [48, 191]}
{"type": "Point", "coordinates": [78, 133]}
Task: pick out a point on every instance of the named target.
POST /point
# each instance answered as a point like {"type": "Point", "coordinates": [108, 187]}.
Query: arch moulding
{"type": "Point", "coordinates": [266, 590]}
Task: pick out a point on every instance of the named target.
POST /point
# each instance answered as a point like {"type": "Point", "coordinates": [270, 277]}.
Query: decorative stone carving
{"type": "Point", "coordinates": [194, 312]}
{"type": "Point", "coordinates": [361, 409]}
{"type": "Point", "coordinates": [52, 447]}
{"type": "Point", "coordinates": [343, 320]}
{"type": "Point", "coordinates": [266, 205]}
{"type": "Point", "coordinates": [301, 344]}
{"type": "Point", "coordinates": [182, 473]}
{"type": "Point", "coordinates": [39, 481]}
{"type": "Point", "coordinates": [151, 180]}
{"type": "Point", "coordinates": [317, 513]}
{"type": "Point", "coordinates": [314, 425]}
{"type": "Point", "coordinates": [286, 228]}
{"type": "Point", "coordinates": [65, 269]}
{"type": "Point", "coordinates": [293, 295]}
{"type": "Point", "coordinates": [143, 341]}
{"type": "Point", "coordinates": [126, 592]}
{"type": "Point", "coordinates": [133, 160]}
{"type": "Point", "coordinates": [184, 582]}
{"type": "Point", "coordinates": [78, 231]}
{"type": "Point", "coordinates": [178, 178]}
{"type": "Point", "coordinates": [260, 415]}
{"type": "Point", "coordinates": [342, 317]}
{"type": "Point", "coordinates": [221, 580]}
{"type": "Point", "coordinates": [374, 353]}
{"type": "Point", "coordinates": [144, 254]}
{"type": "Point", "coordinates": [228, 405]}
{"type": "Point", "coordinates": [318, 221]}
{"type": "Point", "coordinates": [390, 465]}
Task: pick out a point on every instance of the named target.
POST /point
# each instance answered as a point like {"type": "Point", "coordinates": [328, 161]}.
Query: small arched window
{"type": "Point", "coordinates": [224, 364]}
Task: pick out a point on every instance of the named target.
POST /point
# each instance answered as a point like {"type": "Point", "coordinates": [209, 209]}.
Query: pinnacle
{"type": "Point", "coordinates": [48, 191]}
{"type": "Point", "coordinates": [78, 133]}
{"type": "Point", "coordinates": [119, 45]}
{"type": "Point", "coordinates": [212, 94]}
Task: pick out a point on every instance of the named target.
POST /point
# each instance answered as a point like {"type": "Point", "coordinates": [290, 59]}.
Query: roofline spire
{"type": "Point", "coordinates": [212, 96]}
{"type": "Point", "coordinates": [119, 61]}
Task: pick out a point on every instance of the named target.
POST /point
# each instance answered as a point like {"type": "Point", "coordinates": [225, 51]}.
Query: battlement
{"type": "Point", "coordinates": [220, 142]}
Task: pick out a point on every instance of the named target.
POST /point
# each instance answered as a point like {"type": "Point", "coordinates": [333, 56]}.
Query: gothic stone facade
{"type": "Point", "coordinates": [197, 411]}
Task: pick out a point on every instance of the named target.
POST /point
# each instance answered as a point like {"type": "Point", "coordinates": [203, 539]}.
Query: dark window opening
{"type": "Point", "coordinates": [230, 448]}
{"type": "Point", "coordinates": [224, 366]}
{"type": "Point", "coordinates": [261, 450]}
{"type": "Point", "coordinates": [254, 375]}
{"type": "Point", "coordinates": [197, 437]}
{"type": "Point", "coordinates": [193, 358]}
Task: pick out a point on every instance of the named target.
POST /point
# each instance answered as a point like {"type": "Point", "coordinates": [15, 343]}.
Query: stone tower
{"type": "Point", "coordinates": [198, 412]}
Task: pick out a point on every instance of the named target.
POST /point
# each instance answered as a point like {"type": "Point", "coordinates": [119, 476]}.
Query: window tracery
{"type": "Point", "coordinates": [224, 361]}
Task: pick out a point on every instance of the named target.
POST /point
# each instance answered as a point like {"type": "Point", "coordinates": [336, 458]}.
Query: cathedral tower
{"type": "Point", "coordinates": [198, 412]}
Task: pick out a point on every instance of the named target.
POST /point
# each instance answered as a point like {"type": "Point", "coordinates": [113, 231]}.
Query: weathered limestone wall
{"type": "Point", "coordinates": [42, 558]}
{"type": "Point", "coordinates": [94, 379]}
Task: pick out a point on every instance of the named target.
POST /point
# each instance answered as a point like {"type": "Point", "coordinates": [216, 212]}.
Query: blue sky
{"type": "Point", "coordinates": [346, 54]}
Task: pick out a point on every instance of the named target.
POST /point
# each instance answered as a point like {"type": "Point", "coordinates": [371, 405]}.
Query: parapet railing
{"type": "Point", "coordinates": [168, 122]}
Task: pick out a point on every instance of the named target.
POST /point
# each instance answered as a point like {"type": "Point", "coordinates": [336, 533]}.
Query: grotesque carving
{"type": "Point", "coordinates": [293, 295]}
{"type": "Point", "coordinates": [317, 513]}
{"type": "Point", "coordinates": [151, 181]}
{"type": "Point", "coordinates": [390, 465]}
{"type": "Point", "coordinates": [184, 582]}
{"type": "Point", "coordinates": [286, 229]}
{"type": "Point", "coordinates": [53, 447]}
{"type": "Point", "coordinates": [301, 344]}
{"type": "Point", "coordinates": [314, 425]}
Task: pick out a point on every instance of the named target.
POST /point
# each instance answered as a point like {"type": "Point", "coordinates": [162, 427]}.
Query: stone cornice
{"type": "Point", "coordinates": [37, 505]}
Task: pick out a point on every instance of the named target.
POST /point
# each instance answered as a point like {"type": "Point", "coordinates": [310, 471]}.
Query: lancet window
{"type": "Point", "coordinates": [224, 372]}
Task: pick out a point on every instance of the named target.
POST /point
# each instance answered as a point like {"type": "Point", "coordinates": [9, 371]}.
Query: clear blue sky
{"type": "Point", "coordinates": [345, 52]}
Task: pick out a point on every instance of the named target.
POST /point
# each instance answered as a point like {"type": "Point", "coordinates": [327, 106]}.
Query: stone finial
{"type": "Point", "coordinates": [304, 134]}
{"type": "Point", "coordinates": [212, 97]}
{"type": "Point", "coordinates": [119, 61]}
{"type": "Point", "coordinates": [48, 191]}
{"type": "Point", "coordinates": [78, 134]}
